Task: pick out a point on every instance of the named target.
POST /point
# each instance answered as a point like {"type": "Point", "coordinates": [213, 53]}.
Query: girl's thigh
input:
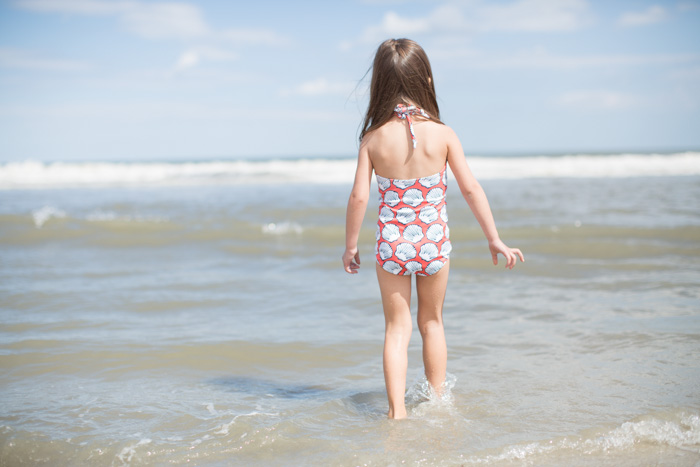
{"type": "Point", "coordinates": [396, 293]}
{"type": "Point", "coordinates": [431, 293]}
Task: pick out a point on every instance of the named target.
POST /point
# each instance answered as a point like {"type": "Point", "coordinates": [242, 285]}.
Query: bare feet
{"type": "Point", "coordinates": [437, 390]}
{"type": "Point", "coordinates": [397, 414]}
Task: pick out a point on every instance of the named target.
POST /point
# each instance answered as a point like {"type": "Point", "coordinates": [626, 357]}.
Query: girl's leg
{"type": "Point", "coordinates": [396, 299]}
{"type": "Point", "coordinates": [431, 295]}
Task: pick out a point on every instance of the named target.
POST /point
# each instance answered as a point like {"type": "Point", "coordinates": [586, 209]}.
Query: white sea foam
{"type": "Point", "coordinates": [41, 216]}
{"type": "Point", "coordinates": [110, 216]}
{"type": "Point", "coordinates": [682, 431]}
{"type": "Point", "coordinates": [224, 428]}
{"type": "Point", "coordinates": [127, 454]}
{"type": "Point", "coordinates": [587, 166]}
{"type": "Point", "coordinates": [32, 174]}
{"type": "Point", "coordinates": [101, 216]}
{"type": "Point", "coordinates": [282, 228]}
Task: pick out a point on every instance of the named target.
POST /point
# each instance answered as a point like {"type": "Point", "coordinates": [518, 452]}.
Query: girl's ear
{"type": "Point", "coordinates": [430, 80]}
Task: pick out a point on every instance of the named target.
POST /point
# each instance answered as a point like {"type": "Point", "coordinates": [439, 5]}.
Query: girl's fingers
{"type": "Point", "coordinates": [352, 268]}
{"type": "Point", "coordinates": [513, 256]}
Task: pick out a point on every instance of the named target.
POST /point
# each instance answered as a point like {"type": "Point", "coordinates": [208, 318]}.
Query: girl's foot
{"type": "Point", "coordinates": [397, 414]}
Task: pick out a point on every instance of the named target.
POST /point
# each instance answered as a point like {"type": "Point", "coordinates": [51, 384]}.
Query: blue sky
{"type": "Point", "coordinates": [151, 80]}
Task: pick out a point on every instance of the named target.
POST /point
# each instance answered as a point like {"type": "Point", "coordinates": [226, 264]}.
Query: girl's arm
{"type": "Point", "coordinates": [476, 198]}
{"type": "Point", "coordinates": [357, 205]}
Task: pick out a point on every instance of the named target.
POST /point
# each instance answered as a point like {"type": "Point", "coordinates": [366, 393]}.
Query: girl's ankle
{"type": "Point", "coordinates": [396, 414]}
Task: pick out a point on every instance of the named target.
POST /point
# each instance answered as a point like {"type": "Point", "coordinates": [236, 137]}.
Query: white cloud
{"type": "Point", "coordinates": [443, 19]}
{"type": "Point", "coordinates": [24, 59]}
{"type": "Point", "coordinates": [254, 36]}
{"type": "Point", "coordinates": [394, 25]}
{"type": "Point", "coordinates": [162, 20]}
{"type": "Point", "coordinates": [540, 58]}
{"type": "Point", "coordinates": [83, 7]}
{"type": "Point", "coordinates": [155, 20]}
{"type": "Point", "coordinates": [481, 16]}
{"type": "Point", "coordinates": [188, 59]}
{"type": "Point", "coordinates": [651, 15]}
{"type": "Point", "coordinates": [322, 86]}
{"type": "Point", "coordinates": [533, 16]}
{"type": "Point", "coordinates": [597, 100]}
{"type": "Point", "coordinates": [194, 55]}
{"type": "Point", "coordinates": [151, 20]}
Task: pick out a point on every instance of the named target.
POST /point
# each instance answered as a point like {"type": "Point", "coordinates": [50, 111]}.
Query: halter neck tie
{"type": "Point", "coordinates": [404, 112]}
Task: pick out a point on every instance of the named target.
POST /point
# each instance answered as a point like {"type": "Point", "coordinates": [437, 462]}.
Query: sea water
{"type": "Point", "coordinates": [173, 313]}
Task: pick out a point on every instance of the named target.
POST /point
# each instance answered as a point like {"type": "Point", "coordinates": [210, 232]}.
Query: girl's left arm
{"type": "Point", "coordinates": [357, 205]}
{"type": "Point", "coordinates": [476, 198]}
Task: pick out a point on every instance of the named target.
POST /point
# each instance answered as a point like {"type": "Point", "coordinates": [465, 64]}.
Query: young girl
{"type": "Point", "coordinates": [407, 146]}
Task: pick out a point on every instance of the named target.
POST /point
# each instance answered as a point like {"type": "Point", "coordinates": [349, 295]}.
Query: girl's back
{"type": "Point", "coordinates": [393, 155]}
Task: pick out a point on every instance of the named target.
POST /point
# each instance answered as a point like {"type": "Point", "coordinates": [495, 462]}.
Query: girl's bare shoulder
{"type": "Point", "coordinates": [448, 135]}
{"type": "Point", "coordinates": [437, 132]}
{"type": "Point", "coordinates": [394, 134]}
{"type": "Point", "coordinates": [387, 133]}
{"type": "Point", "coordinates": [446, 130]}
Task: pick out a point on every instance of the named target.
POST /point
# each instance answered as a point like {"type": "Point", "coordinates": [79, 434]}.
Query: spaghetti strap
{"type": "Point", "coordinates": [404, 112]}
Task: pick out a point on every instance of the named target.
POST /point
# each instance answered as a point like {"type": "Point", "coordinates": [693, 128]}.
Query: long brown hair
{"type": "Point", "coordinates": [401, 73]}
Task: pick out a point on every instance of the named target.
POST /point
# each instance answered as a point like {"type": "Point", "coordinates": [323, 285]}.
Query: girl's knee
{"type": "Point", "coordinates": [430, 326]}
{"type": "Point", "coordinates": [399, 329]}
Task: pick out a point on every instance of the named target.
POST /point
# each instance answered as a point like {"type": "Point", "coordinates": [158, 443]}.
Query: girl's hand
{"type": "Point", "coordinates": [511, 254]}
{"type": "Point", "coordinates": [351, 260]}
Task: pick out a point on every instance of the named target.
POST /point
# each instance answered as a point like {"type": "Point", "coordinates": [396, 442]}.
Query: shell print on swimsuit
{"type": "Point", "coordinates": [412, 232]}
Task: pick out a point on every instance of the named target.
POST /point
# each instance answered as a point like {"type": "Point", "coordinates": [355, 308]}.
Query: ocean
{"type": "Point", "coordinates": [197, 313]}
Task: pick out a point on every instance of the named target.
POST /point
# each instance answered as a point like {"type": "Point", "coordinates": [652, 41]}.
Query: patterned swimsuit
{"type": "Point", "coordinates": [412, 231]}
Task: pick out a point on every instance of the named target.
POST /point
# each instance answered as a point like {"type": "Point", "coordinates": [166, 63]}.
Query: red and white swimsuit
{"type": "Point", "coordinates": [412, 231]}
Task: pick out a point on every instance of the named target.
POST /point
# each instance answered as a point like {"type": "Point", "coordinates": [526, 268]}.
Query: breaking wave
{"type": "Point", "coordinates": [34, 174]}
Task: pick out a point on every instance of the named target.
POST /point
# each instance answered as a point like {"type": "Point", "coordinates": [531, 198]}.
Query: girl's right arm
{"type": "Point", "coordinates": [357, 205]}
{"type": "Point", "coordinates": [478, 203]}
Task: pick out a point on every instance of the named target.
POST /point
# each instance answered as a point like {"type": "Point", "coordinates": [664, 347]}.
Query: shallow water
{"type": "Point", "coordinates": [213, 324]}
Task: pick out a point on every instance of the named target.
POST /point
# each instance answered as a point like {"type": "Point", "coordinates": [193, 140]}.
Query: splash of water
{"type": "Point", "coordinates": [422, 398]}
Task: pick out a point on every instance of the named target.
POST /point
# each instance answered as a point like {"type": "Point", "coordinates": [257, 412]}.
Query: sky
{"type": "Point", "coordinates": [141, 80]}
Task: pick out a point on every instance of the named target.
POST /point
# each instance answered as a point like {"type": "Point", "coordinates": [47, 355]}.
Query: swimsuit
{"type": "Point", "coordinates": [412, 231]}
